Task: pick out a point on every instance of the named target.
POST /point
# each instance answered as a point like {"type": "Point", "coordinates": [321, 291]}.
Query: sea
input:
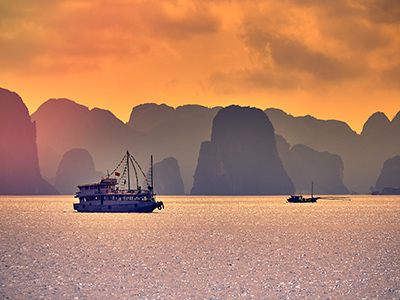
{"type": "Point", "coordinates": [229, 247]}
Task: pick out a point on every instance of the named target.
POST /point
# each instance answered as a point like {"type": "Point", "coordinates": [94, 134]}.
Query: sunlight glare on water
{"type": "Point", "coordinates": [202, 247]}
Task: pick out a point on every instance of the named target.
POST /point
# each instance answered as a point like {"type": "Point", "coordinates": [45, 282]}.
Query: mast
{"type": "Point", "coordinates": [312, 189]}
{"type": "Point", "coordinates": [151, 170]}
{"type": "Point", "coordinates": [127, 163]}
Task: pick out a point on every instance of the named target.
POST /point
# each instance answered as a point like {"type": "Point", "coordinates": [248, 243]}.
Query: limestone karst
{"type": "Point", "coordinates": [19, 165]}
{"type": "Point", "coordinates": [241, 158]}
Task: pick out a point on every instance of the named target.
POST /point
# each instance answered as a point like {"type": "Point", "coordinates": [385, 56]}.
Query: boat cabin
{"type": "Point", "coordinates": [105, 186]}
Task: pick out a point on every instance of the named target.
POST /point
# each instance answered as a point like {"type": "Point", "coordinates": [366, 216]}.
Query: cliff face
{"type": "Point", "coordinates": [375, 126]}
{"type": "Point", "coordinates": [382, 136]}
{"type": "Point", "coordinates": [19, 167]}
{"type": "Point", "coordinates": [242, 157]}
{"type": "Point", "coordinates": [63, 125]}
{"type": "Point", "coordinates": [163, 131]}
{"type": "Point", "coordinates": [157, 130]}
{"type": "Point", "coordinates": [390, 174]}
{"type": "Point", "coordinates": [167, 177]}
{"type": "Point", "coordinates": [305, 165]}
{"type": "Point", "coordinates": [363, 155]}
{"type": "Point", "coordinates": [142, 114]}
{"type": "Point", "coordinates": [76, 167]}
{"type": "Point", "coordinates": [175, 133]}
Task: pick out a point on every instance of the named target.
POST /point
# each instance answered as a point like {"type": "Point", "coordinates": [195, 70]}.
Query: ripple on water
{"type": "Point", "coordinates": [198, 247]}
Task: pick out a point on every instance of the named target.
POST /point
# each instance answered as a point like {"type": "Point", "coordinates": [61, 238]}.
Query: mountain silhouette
{"type": "Point", "coordinates": [362, 155]}
{"type": "Point", "coordinates": [376, 126]}
{"type": "Point", "coordinates": [19, 166]}
{"type": "Point", "coordinates": [241, 158]}
{"type": "Point", "coordinates": [167, 177]}
{"type": "Point", "coordinates": [175, 133]}
{"type": "Point", "coordinates": [145, 117]}
{"type": "Point", "coordinates": [305, 165]}
{"type": "Point", "coordinates": [76, 167]}
{"type": "Point", "coordinates": [390, 175]}
{"type": "Point", "coordinates": [63, 125]}
{"type": "Point", "coordinates": [159, 130]}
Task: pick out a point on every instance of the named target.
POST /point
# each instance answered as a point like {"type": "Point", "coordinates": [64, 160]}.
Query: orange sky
{"type": "Point", "coordinates": [331, 59]}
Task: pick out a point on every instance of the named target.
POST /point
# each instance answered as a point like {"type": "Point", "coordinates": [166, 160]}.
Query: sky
{"type": "Point", "coordinates": [330, 59]}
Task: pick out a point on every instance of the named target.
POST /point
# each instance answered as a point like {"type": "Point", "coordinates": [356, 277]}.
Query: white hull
{"type": "Point", "coordinates": [118, 206]}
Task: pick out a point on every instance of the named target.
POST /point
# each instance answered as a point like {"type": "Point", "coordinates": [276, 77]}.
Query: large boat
{"type": "Point", "coordinates": [114, 193]}
{"type": "Point", "coordinates": [301, 199]}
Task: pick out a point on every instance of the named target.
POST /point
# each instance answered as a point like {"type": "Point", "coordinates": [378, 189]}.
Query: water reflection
{"type": "Point", "coordinates": [202, 247]}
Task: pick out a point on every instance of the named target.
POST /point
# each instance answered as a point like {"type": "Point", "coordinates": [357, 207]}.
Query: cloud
{"type": "Point", "coordinates": [391, 77]}
{"type": "Point", "coordinates": [383, 11]}
{"type": "Point", "coordinates": [81, 34]}
{"type": "Point", "coordinates": [182, 20]}
{"type": "Point", "coordinates": [290, 54]}
{"type": "Point", "coordinates": [248, 81]}
{"type": "Point", "coordinates": [310, 43]}
{"type": "Point", "coordinates": [238, 45]}
{"type": "Point", "coordinates": [374, 11]}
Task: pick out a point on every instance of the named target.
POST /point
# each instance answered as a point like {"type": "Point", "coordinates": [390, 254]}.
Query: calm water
{"type": "Point", "coordinates": [202, 248]}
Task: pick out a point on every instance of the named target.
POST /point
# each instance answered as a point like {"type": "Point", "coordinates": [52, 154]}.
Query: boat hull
{"type": "Point", "coordinates": [136, 206]}
{"type": "Point", "coordinates": [301, 199]}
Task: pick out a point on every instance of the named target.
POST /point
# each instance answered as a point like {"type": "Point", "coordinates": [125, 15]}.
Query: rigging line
{"type": "Point", "coordinates": [336, 198]}
{"type": "Point", "coordinates": [122, 176]}
{"type": "Point", "coordinates": [331, 193]}
{"type": "Point", "coordinates": [122, 160]}
{"type": "Point", "coordinates": [325, 189]}
{"type": "Point", "coordinates": [140, 168]}
{"type": "Point", "coordinates": [136, 174]}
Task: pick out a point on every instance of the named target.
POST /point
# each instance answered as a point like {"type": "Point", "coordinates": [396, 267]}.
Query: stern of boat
{"type": "Point", "coordinates": [160, 205]}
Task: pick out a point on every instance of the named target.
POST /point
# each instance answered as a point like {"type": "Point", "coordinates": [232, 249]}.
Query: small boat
{"type": "Point", "coordinates": [114, 193]}
{"type": "Point", "coordinates": [301, 199]}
